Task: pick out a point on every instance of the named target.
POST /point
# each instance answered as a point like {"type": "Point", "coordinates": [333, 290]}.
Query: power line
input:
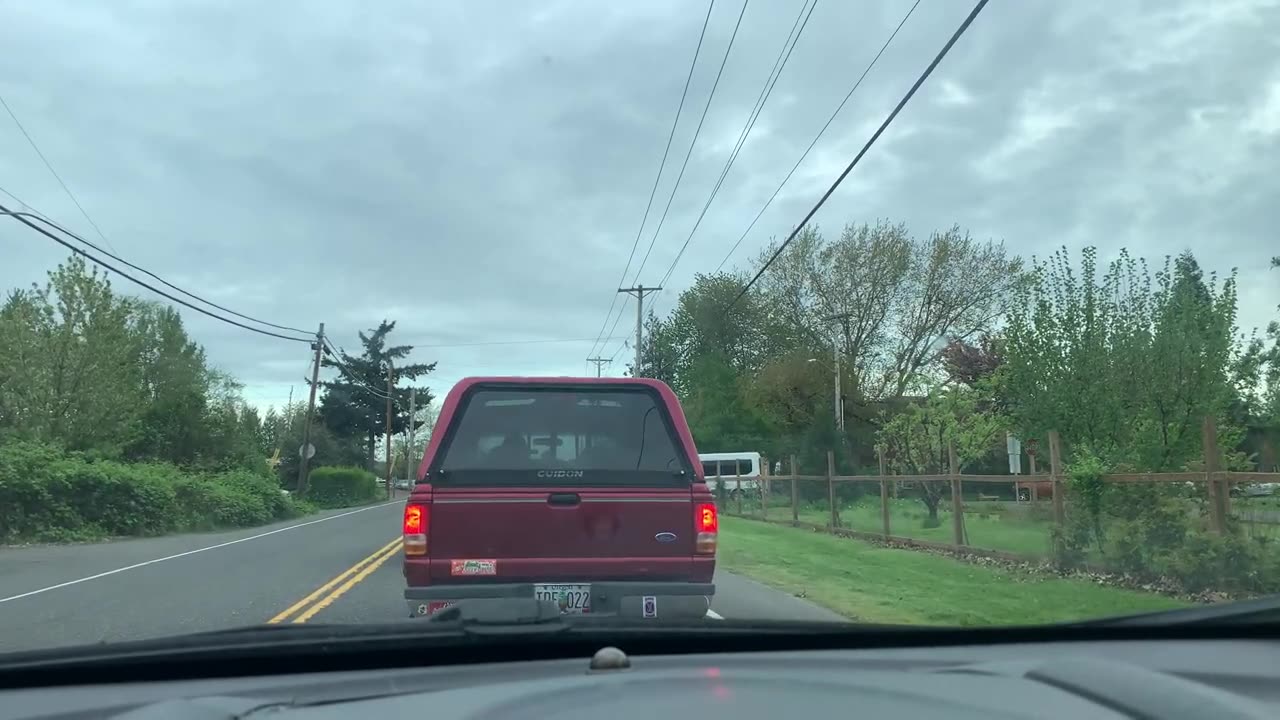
{"type": "Point", "coordinates": [617, 352]}
{"type": "Point", "coordinates": [818, 137]}
{"type": "Point", "coordinates": [22, 218]}
{"type": "Point", "coordinates": [55, 174]}
{"type": "Point", "coordinates": [784, 55]}
{"type": "Point", "coordinates": [674, 123]}
{"type": "Point", "coordinates": [614, 329]}
{"type": "Point", "coordinates": [880, 131]}
{"type": "Point", "coordinates": [511, 342]}
{"type": "Point", "coordinates": [20, 201]}
{"type": "Point", "coordinates": [697, 131]}
{"type": "Point", "coordinates": [710, 96]}
{"type": "Point", "coordinates": [333, 354]}
{"type": "Point", "coordinates": [44, 219]}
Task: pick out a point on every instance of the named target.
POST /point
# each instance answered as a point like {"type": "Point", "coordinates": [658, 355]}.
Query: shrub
{"type": "Point", "coordinates": [47, 494]}
{"type": "Point", "coordinates": [332, 487]}
{"type": "Point", "coordinates": [1071, 541]}
{"type": "Point", "coordinates": [1153, 531]}
{"type": "Point", "coordinates": [262, 489]}
{"type": "Point", "coordinates": [206, 505]}
{"type": "Point", "coordinates": [115, 499]}
{"type": "Point", "coordinates": [32, 494]}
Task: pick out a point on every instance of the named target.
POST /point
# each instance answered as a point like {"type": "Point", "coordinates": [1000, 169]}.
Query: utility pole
{"type": "Point", "coordinates": [409, 451]}
{"type": "Point", "coordinates": [843, 318]}
{"type": "Point", "coordinates": [599, 361]}
{"type": "Point", "coordinates": [318, 346]}
{"type": "Point", "coordinates": [639, 292]}
{"type": "Point", "coordinates": [391, 378]}
{"type": "Point", "coordinates": [839, 396]}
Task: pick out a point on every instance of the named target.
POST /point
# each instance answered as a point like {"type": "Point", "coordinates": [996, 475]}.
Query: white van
{"type": "Point", "coordinates": [732, 469]}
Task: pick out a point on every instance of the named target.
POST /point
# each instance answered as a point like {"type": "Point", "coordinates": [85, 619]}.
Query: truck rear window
{"type": "Point", "coordinates": [534, 436]}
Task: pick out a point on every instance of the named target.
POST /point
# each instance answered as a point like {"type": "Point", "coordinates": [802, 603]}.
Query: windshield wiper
{"type": "Point", "coordinates": [1262, 611]}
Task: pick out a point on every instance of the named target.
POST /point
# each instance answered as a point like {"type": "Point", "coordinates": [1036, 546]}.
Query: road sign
{"type": "Point", "coordinates": [308, 450]}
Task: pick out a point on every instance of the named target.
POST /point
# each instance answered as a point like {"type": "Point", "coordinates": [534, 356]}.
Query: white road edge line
{"type": "Point", "coordinates": [714, 615]}
{"type": "Point", "coordinates": [192, 552]}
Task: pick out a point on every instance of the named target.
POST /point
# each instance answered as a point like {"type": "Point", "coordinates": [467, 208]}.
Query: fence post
{"type": "Point", "coordinates": [884, 493]}
{"type": "Point", "coordinates": [831, 489]}
{"type": "Point", "coordinates": [763, 482]}
{"type": "Point", "coordinates": [1035, 493]}
{"type": "Point", "coordinates": [737, 496]}
{"type": "Point", "coordinates": [957, 500]}
{"type": "Point", "coordinates": [795, 494]}
{"type": "Point", "coordinates": [1055, 477]}
{"type": "Point", "coordinates": [1212, 461]}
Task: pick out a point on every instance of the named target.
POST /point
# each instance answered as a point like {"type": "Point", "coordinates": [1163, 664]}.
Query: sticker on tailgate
{"type": "Point", "coordinates": [473, 567]}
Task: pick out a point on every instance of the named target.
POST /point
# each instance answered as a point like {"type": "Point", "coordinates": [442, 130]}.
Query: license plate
{"type": "Point", "coordinates": [572, 599]}
{"type": "Point", "coordinates": [435, 606]}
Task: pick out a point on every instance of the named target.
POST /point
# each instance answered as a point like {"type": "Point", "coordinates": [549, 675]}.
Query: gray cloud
{"type": "Point", "coordinates": [478, 171]}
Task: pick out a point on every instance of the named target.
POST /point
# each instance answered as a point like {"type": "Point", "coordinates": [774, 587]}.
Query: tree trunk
{"type": "Point", "coordinates": [369, 445]}
{"type": "Point", "coordinates": [932, 497]}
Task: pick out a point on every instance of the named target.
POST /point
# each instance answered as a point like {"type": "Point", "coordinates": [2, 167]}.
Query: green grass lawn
{"type": "Point", "coordinates": [877, 584]}
{"type": "Point", "coordinates": [987, 530]}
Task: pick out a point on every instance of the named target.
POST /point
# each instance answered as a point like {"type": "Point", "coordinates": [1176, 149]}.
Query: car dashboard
{"type": "Point", "coordinates": [1218, 679]}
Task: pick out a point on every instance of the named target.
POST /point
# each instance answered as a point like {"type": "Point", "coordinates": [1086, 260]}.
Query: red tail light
{"type": "Point", "coordinates": [707, 524]}
{"type": "Point", "coordinates": [415, 529]}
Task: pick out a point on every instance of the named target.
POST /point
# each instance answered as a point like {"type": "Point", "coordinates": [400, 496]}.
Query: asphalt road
{"type": "Point", "coordinates": [337, 567]}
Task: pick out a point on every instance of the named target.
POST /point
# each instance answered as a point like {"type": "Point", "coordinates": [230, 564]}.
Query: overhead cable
{"type": "Point", "coordinates": [861, 153]}
{"type": "Point", "coordinates": [25, 219]}
{"type": "Point", "coordinates": [818, 137]}
{"type": "Point", "coordinates": [652, 192]}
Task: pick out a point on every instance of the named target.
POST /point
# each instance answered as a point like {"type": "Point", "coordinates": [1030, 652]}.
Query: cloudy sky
{"type": "Point", "coordinates": [477, 171]}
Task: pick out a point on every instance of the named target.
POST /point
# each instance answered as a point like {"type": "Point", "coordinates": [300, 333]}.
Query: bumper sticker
{"type": "Point", "coordinates": [473, 567]}
{"type": "Point", "coordinates": [649, 606]}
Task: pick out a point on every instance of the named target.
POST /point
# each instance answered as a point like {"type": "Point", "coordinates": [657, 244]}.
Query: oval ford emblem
{"type": "Point", "coordinates": [665, 537]}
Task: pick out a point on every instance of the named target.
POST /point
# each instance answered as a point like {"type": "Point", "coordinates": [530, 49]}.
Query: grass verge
{"type": "Point", "coordinates": [875, 584]}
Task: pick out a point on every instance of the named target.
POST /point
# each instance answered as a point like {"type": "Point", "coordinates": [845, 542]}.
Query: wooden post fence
{"type": "Point", "coordinates": [795, 492]}
{"type": "Point", "coordinates": [884, 494]}
{"type": "Point", "coordinates": [1214, 474]}
{"type": "Point", "coordinates": [957, 497]}
{"type": "Point", "coordinates": [1218, 491]}
{"type": "Point", "coordinates": [831, 488]}
{"type": "Point", "coordinates": [763, 483]}
{"type": "Point", "coordinates": [1055, 477]}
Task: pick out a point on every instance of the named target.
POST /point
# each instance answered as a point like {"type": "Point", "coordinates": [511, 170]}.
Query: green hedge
{"type": "Point", "coordinates": [49, 495]}
{"type": "Point", "coordinates": [331, 487]}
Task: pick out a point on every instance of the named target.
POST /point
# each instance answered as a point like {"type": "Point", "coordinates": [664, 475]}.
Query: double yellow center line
{"type": "Point", "coordinates": [325, 595]}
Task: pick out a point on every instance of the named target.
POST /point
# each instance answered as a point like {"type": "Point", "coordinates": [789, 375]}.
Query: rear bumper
{"type": "Point", "coordinates": [608, 598]}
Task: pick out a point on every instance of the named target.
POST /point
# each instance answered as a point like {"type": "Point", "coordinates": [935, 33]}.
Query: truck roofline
{"type": "Point", "coordinates": [464, 383]}
{"type": "Point", "coordinates": [672, 403]}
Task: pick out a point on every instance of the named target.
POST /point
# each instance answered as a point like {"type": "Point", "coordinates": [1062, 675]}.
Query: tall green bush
{"type": "Point", "coordinates": [47, 494]}
{"type": "Point", "coordinates": [341, 487]}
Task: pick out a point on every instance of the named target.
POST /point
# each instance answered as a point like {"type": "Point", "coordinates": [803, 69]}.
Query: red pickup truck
{"type": "Point", "coordinates": [584, 491]}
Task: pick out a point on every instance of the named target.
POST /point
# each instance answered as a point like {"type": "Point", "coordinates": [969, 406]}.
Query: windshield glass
{"type": "Point", "coordinates": [961, 314]}
{"type": "Point", "coordinates": [509, 435]}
